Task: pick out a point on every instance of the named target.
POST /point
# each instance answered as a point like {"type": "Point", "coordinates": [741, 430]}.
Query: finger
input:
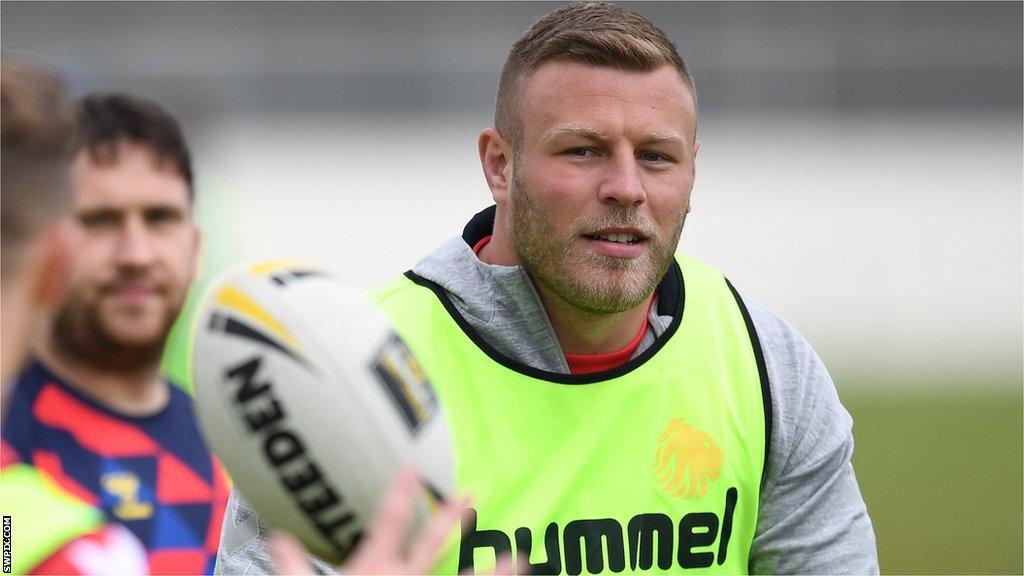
{"type": "Point", "coordinates": [430, 541]}
{"type": "Point", "coordinates": [289, 554]}
{"type": "Point", "coordinates": [384, 537]}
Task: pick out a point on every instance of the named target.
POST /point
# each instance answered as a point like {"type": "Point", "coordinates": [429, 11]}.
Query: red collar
{"type": "Point", "coordinates": [590, 363]}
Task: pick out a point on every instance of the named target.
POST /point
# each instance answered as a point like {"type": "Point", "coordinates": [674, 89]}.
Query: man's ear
{"type": "Point", "coordinates": [496, 161]}
{"type": "Point", "coordinates": [53, 263]}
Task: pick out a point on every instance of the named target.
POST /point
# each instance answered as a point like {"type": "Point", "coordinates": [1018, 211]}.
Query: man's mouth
{"type": "Point", "coordinates": [623, 243]}
{"type": "Point", "coordinates": [133, 291]}
{"type": "Point", "coordinates": [617, 236]}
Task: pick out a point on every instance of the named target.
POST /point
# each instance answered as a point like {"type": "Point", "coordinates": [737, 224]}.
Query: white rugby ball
{"type": "Point", "coordinates": [313, 402]}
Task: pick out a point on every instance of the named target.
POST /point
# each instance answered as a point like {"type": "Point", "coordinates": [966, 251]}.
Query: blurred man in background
{"type": "Point", "coordinates": [52, 530]}
{"type": "Point", "coordinates": [92, 408]}
{"type": "Point", "coordinates": [602, 390]}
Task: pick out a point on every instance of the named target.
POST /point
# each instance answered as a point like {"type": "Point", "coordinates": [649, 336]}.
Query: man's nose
{"type": "Point", "coordinates": [623, 183]}
{"type": "Point", "coordinates": [136, 244]}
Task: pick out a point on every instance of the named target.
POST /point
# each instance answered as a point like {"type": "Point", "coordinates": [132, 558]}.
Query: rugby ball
{"type": "Point", "coordinates": [313, 402]}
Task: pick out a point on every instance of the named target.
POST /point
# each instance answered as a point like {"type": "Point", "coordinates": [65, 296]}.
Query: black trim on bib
{"type": "Point", "coordinates": [762, 372]}
{"type": "Point", "coordinates": [671, 298]}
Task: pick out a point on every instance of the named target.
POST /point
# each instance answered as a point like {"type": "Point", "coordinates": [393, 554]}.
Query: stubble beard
{"type": "Point", "coordinates": [561, 264]}
{"type": "Point", "coordinates": [81, 333]}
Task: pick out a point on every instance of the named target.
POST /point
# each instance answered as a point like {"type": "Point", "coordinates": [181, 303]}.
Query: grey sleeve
{"type": "Point", "coordinates": [243, 542]}
{"type": "Point", "coordinates": [812, 518]}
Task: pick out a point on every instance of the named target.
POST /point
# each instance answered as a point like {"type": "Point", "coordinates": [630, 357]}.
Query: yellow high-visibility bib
{"type": "Point", "coordinates": [652, 467]}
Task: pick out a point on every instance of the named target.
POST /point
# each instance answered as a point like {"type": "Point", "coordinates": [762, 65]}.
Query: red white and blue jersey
{"type": "Point", "coordinates": [153, 474]}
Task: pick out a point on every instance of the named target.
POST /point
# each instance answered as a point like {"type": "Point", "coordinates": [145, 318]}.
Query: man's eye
{"type": "Point", "coordinates": [653, 157]}
{"type": "Point", "coordinates": [580, 152]}
{"type": "Point", "coordinates": [162, 216]}
{"type": "Point", "coordinates": [99, 220]}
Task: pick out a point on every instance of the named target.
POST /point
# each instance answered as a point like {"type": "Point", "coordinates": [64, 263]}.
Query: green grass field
{"type": "Point", "coordinates": [942, 477]}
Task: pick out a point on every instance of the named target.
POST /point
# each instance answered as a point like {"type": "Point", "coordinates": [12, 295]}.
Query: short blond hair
{"type": "Point", "coordinates": [38, 127]}
{"type": "Point", "coordinates": [594, 33]}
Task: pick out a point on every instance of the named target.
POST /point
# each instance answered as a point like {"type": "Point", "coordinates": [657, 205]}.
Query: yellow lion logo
{"type": "Point", "coordinates": [686, 459]}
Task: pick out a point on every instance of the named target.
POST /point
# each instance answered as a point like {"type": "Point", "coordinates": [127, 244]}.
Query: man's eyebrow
{"type": "Point", "coordinates": [593, 134]}
{"type": "Point", "coordinates": [577, 130]}
{"type": "Point", "coordinates": [664, 137]}
{"type": "Point", "coordinates": [97, 209]}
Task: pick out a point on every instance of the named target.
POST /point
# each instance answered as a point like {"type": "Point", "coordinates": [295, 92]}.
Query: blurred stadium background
{"type": "Point", "coordinates": [861, 174]}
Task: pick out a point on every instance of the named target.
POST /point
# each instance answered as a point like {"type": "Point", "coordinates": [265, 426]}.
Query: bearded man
{"type": "Point", "coordinates": [92, 409]}
{"type": "Point", "coordinates": [613, 405]}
